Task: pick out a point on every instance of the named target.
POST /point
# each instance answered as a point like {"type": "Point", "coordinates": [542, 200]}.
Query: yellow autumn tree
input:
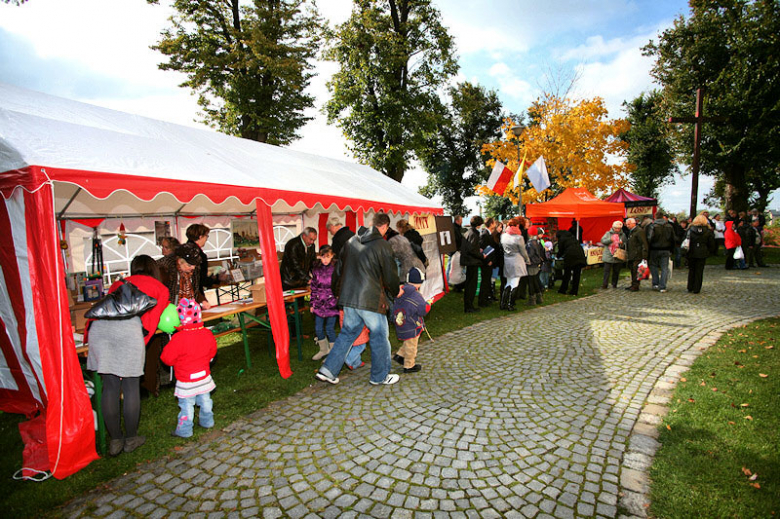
{"type": "Point", "coordinates": [579, 143]}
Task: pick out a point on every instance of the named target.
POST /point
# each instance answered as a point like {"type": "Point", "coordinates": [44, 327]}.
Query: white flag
{"type": "Point", "coordinates": [537, 174]}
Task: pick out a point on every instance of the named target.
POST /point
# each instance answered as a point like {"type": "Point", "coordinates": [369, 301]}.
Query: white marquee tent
{"type": "Point", "coordinates": [62, 159]}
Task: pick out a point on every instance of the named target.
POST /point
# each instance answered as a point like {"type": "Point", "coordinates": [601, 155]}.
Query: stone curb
{"type": "Point", "coordinates": [643, 442]}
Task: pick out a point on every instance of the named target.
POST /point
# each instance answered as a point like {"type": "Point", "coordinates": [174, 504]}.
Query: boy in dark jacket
{"type": "Point", "coordinates": [190, 352]}
{"type": "Point", "coordinates": [408, 313]}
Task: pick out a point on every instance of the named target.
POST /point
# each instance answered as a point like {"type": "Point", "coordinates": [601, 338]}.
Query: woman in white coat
{"type": "Point", "coordinates": [515, 261]}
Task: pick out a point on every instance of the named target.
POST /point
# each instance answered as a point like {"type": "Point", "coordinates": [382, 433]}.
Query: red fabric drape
{"type": "Point", "coordinates": [273, 288]}
{"type": "Point", "coordinates": [70, 427]}
{"type": "Point", "coordinates": [322, 229]}
{"type": "Point", "coordinates": [351, 221]}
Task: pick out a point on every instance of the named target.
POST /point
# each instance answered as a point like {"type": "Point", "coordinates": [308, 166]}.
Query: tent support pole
{"type": "Point", "coordinates": [70, 201]}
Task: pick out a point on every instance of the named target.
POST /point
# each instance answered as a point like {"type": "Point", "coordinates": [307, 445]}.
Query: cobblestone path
{"type": "Point", "coordinates": [532, 415]}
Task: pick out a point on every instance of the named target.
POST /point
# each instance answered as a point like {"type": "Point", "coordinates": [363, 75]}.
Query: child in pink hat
{"type": "Point", "coordinates": [190, 352]}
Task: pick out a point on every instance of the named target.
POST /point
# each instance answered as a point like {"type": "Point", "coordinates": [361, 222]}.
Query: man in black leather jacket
{"type": "Point", "coordinates": [471, 257]}
{"type": "Point", "coordinates": [297, 260]}
{"type": "Point", "coordinates": [366, 283]}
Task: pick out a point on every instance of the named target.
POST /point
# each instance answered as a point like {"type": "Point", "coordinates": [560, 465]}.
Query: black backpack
{"type": "Point", "coordinates": [662, 236]}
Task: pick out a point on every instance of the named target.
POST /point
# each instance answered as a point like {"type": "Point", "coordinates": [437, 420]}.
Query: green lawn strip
{"type": "Point", "coordinates": [771, 256]}
{"type": "Point", "coordinates": [240, 391]}
{"type": "Point", "coordinates": [723, 418]}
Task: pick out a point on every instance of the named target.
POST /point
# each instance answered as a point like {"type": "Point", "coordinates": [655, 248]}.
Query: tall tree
{"type": "Point", "coordinates": [249, 64]}
{"type": "Point", "coordinates": [649, 150]}
{"type": "Point", "coordinates": [452, 155]}
{"type": "Point", "coordinates": [580, 145]}
{"type": "Point", "coordinates": [730, 48]}
{"type": "Point", "coordinates": [393, 56]}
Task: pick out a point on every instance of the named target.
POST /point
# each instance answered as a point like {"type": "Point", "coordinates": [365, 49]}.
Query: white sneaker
{"type": "Point", "coordinates": [663, 291]}
{"type": "Point", "coordinates": [390, 379]}
{"type": "Point", "coordinates": [325, 378]}
{"type": "Point", "coordinates": [655, 287]}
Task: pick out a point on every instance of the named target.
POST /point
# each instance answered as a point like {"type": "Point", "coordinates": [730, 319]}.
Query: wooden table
{"type": "Point", "coordinates": [242, 309]}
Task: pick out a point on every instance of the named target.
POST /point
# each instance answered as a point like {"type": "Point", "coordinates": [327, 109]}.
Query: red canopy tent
{"type": "Point", "coordinates": [577, 203]}
{"type": "Point", "coordinates": [636, 206]}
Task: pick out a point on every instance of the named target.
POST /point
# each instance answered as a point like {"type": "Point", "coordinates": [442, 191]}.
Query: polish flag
{"type": "Point", "coordinates": [499, 178]}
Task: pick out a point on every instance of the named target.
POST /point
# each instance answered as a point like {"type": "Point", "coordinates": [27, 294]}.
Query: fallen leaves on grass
{"type": "Point", "coordinates": [762, 375]}
{"type": "Point", "coordinates": [748, 417]}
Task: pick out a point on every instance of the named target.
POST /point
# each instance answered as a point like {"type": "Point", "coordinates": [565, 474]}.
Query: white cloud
{"type": "Point", "coordinates": [511, 85]}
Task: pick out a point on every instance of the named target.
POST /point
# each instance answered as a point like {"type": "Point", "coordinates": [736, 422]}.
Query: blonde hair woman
{"type": "Point", "coordinates": [701, 244]}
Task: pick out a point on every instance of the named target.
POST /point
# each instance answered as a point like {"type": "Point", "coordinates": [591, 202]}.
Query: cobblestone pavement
{"type": "Point", "coordinates": [548, 413]}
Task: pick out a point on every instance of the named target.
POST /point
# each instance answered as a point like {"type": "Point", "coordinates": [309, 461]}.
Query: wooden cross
{"type": "Point", "coordinates": [698, 120]}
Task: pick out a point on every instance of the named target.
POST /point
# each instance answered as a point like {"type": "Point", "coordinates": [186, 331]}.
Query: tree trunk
{"type": "Point", "coordinates": [735, 193]}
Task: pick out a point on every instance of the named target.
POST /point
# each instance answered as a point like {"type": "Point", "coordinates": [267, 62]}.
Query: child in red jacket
{"type": "Point", "coordinates": [190, 351]}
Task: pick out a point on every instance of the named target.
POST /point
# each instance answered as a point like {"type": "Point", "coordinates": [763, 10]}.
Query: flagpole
{"type": "Point", "coordinates": [517, 131]}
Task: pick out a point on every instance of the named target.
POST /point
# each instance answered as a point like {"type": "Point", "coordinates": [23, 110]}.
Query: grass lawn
{"type": "Point", "coordinates": [720, 454]}
{"type": "Point", "coordinates": [771, 256]}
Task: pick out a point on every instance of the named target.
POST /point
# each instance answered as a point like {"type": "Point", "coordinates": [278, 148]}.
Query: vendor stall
{"type": "Point", "coordinates": [578, 207]}
{"type": "Point", "coordinates": [62, 161]}
{"type": "Point", "coordinates": [636, 206]}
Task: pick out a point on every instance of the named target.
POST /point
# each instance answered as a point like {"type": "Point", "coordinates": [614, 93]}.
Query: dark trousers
{"type": "Point", "coordinates": [730, 259]}
{"type": "Point", "coordinates": [695, 274]}
{"type": "Point", "coordinates": [573, 274]}
{"type": "Point", "coordinates": [470, 288]}
{"type": "Point", "coordinates": [634, 266]}
{"type": "Point", "coordinates": [486, 285]}
{"type": "Point", "coordinates": [534, 285]}
{"type": "Point", "coordinates": [615, 269]}
{"type": "Point", "coordinates": [755, 256]}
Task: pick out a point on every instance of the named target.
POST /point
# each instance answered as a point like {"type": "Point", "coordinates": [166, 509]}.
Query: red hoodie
{"type": "Point", "coordinates": [190, 352]}
{"type": "Point", "coordinates": [731, 237]}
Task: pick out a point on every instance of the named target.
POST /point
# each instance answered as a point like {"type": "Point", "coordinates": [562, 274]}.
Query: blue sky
{"type": "Point", "coordinates": [97, 51]}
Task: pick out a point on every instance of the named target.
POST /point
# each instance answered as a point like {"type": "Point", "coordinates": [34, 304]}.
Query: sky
{"type": "Point", "coordinates": [97, 51]}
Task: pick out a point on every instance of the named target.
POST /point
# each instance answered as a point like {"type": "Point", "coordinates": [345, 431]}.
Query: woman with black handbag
{"type": "Point", "coordinates": [117, 348]}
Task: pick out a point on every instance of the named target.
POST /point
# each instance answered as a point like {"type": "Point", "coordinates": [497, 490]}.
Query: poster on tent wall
{"type": "Point", "coordinates": [434, 278]}
{"type": "Point", "coordinates": [161, 230]}
{"type": "Point", "coordinates": [245, 235]}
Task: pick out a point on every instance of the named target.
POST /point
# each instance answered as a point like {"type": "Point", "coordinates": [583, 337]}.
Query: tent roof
{"type": "Point", "coordinates": [103, 161]}
{"type": "Point", "coordinates": [622, 196]}
{"type": "Point", "coordinates": [575, 202]}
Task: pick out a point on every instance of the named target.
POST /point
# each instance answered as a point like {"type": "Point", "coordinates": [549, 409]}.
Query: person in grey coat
{"type": "Point", "coordinates": [515, 261]}
{"type": "Point", "coordinates": [403, 253]}
{"type": "Point", "coordinates": [612, 240]}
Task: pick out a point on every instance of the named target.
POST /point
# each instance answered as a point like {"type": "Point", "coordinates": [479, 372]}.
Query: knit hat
{"type": "Point", "coordinates": [415, 276]}
{"type": "Point", "coordinates": [189, 311]}
{"type": "Point", "coordinates": [548, 245]}
{"type": "Point", "coordinates": [189, 252]}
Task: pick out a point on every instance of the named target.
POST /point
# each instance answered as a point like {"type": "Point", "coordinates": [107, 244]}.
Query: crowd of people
{"type": "Point", "coordinates": [371, 278]}
{"type": "Point", "coordinates": [517, 253]}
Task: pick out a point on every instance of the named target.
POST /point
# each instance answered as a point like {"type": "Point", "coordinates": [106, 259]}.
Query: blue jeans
{"type": "Point", "coordinates": [325, 326]}
{"type": "Point", "coordinates": [353, 357]}
{"type": "Point", "coordinates": [659, 259]}
{"type": "Point", "coordinates": [187, 414]}
{"type": "Point", "coordinates": [354, 320]}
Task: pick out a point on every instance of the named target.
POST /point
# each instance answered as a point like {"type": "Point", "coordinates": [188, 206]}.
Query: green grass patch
{"type": "Point", "coordinates": [771, 256]}
{"type": "Point", "coordinates": [720, 454]}
{"type": "Point", "coordinates": [239, 392]}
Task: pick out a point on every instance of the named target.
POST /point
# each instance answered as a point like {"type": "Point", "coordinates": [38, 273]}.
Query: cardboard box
{"type": "Point", "coordinates": [258, 291]}
{"type": "Point", "coordinates": [77, 312]}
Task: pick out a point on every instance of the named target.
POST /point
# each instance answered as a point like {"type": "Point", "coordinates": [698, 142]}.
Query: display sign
{"type": "Point", "coordinates": [424, 223]}
{"type": "Point", "coordinates": [245, 234]}
{"type": "Point", "coordinates": [594, 255]}
{"type": "Point", "coordinates": [446, 234]}
{"type": "Point", "coordinates": [641, 210]}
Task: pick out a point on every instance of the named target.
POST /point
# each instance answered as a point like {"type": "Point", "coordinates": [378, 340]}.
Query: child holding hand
{"type": "Point", "coordinates": [408, 313]}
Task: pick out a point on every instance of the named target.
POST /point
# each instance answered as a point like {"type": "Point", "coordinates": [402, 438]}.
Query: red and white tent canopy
{"type": "Point", "coordinates": [65, 159]}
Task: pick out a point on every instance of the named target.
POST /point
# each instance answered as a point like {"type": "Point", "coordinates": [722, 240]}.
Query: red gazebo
{"type": "Point", "coordinates": [636, 206]}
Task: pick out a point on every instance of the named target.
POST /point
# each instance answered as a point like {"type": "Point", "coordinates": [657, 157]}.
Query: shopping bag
{"type": "Point", "coordinates": [671, 268]}
{"type": "Point", "coordinates": [642, 271]}
{"type": "Point", "coordinates": [456, 274]}
{"type": "Point", "coordinates": [738, 254]}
